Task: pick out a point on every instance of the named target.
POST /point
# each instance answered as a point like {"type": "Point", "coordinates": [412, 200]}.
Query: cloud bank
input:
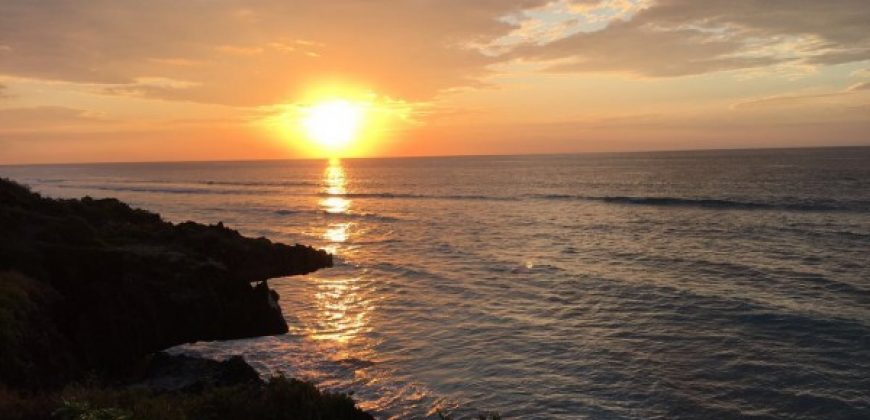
{"type": "Point", "coordinates": [255, 53]}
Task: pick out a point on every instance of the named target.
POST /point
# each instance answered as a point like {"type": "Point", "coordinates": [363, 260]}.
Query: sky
{"type": "Point", "coordinates": [116, 80]}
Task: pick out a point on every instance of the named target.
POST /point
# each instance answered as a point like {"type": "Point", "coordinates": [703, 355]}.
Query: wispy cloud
{"type": "Point", "coordinates": [47, 118]}
{"type": "Point", "coordinates": [685, 37]}
{"type": "Point", "coordinates": [405, 49]}
{"type": "Point", "coordinates": [560, 19]}
{"type": "Point", "coordinates": [239, 50]}
{"type": "Point", "coordinates": [413, 50]}
{"type": "Point", "coordinates": [824, 98]}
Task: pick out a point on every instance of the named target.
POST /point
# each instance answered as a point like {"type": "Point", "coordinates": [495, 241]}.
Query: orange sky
{"type": "Point", "coordinates": [108, 80]}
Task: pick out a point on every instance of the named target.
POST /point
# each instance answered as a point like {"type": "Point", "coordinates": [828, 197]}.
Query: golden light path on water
{"type": "Point", "coordinates": [342, 312]}
{"type": "Point", "coordinates": [343, 304]}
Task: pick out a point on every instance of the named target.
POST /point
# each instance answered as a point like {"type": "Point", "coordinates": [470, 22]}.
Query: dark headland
{"type": "Point", "coordinates": [91, 292]}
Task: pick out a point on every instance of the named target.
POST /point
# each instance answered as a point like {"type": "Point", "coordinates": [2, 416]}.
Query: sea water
{"type": "Point", "coordinates": [712, 284]}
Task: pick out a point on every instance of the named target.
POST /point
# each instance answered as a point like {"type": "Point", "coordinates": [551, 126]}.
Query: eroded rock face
{"type": "Point", "coordinates": [116, 283]}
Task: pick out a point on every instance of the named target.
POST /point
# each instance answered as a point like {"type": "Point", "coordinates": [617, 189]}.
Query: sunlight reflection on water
{"type": "Point", "coordinates": [335, 186]}
{"type": "Point", "coordinates": [337, 232]}
{"type": "Point", "coordinates": [341, 312]}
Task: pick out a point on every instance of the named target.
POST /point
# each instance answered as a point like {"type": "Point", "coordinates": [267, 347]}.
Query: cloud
{"type": "Point", "coordinates": [786, 101]}
{"type": "Point", "coordinates": [685, 37]}
{"type": "Point", "coordinates": [624, 47]}
{"type": "Point", "coordinates": [559, 19]}
{"type": "Point", "coordinates": [238, 50]}
{"type": "Point", "coordinates": [152, 87]}
{"type": "Point", "coordinates": [847, 98]}
{"type": "Point", "coordinates": [47, 118]}
{"type": "Point", "coordinates": [254, 53]}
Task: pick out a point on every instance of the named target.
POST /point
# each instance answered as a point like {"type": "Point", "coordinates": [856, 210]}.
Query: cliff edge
{"type": "Point", "coordinates": [94, 285]}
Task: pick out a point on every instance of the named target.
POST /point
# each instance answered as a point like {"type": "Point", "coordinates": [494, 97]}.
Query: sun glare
{"type": "Point", "coordinates": [338, 120]}
{"type": "Point", "coordinates": [333, 124]}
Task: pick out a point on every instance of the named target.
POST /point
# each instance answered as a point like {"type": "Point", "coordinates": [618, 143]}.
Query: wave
{"type": "Point", "coordinates": [349, 215]}
{"type": "Point", "coordinates": [203, 187]}
{"type": "Point", "coordinates": [389, 195]}
{"type": "Point", "coordinates": [373, 241]}
{"type": "Point", "coordinates": [371, 216]}
{"type": "Point", "coordinates": [262, 183]}
{"type": "Point", "coordinates": [682, 202]}
{"type": "Point", "coordinates": [706, 203]}
{"type": "Point", "coordinates": [221, 183]}
{"type": "Point", "coordinates": [285, 212]}
{"type": "Point", "coordinates": [164, 190]}
{"type": "Point", "coordinates": [375, 195]}
{"type": "Point", "coordinates": [709, 203]}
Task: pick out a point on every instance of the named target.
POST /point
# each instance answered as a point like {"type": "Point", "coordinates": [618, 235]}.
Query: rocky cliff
{"type": "Point", "coordinates": [93, 285]}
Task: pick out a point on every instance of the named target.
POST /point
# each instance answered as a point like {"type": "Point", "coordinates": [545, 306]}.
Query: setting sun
{"type": "Point", "coordinates": [333, 124]}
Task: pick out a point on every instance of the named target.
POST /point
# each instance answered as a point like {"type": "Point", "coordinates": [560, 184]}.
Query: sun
{"type": "Point", "coordinates": [333, 124]}
{"type": "Point", "coordinates": [334, 120]}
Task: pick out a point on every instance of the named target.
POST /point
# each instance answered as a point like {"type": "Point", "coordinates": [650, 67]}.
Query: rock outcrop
{"type": "Point", "coordinates": [91, 285]}
{"type": "Point", "coordinates": [163, 372]}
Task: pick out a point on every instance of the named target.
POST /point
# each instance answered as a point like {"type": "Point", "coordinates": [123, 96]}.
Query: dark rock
{"type": "Point", "coordinates": [105, 284]}
{"type": "Point", "coordinates": [182, 373]}
{"type": "Point", "coordinates": [184, 387]}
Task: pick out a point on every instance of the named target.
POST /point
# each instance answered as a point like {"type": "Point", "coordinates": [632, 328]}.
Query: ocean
{"type": "Point", "coordinates": [711, 284]}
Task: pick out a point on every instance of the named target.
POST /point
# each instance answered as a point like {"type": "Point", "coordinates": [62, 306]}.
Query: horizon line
{"type": "Point", "coordinates": [735, 149]}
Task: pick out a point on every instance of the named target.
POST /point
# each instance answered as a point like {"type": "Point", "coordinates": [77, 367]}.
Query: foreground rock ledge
{"type": "Point", "coordinates": [94, 285]}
